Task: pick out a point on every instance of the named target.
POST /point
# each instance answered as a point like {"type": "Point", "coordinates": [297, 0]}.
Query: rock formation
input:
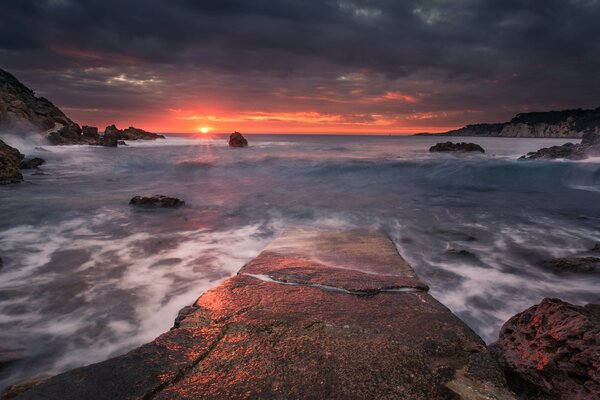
{"type": "Point", "coordinates": [10, 164]}
{"type": "Point", "coordinates": [32, 163]}
{"type": "Point", "coordinates": [552, 351]}
{"type": "Point", "coordinates": [551, 124]}
{"type": "Point", "coordinates": [317, 315]}
{"type": "Point", "coordinates": [131, 133]}
{"type": "Point", "coordinates": [156, 201]}
{"type": "Point", "coordinates": [457, 147]}
{"type": "Point", "coordinates": [237, 140]}
{"type": "Point", "coordinates": [589, 147]}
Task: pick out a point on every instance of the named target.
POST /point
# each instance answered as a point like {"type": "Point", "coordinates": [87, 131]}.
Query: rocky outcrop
{"type": "Point", "coordinates": [552, 351]}
{"type": "Point", "coordinates": [131, 133]}
{"type": "Point", "coordinates": [551, 124]}
{"type": "Point", "coordinates": [573, 265]}
{"type": "Point", "coordinates": [589, 147]}
{"type": "Point", "coordinates": [317, 315]}
{"type": "Point", "coordinates": [20, 108]}
{"type": "Point", "coordinates": [237, 140]}
{"type": "Point", "coordinates": [13, 391]}
{"type": "Point", "coordinates": [156, 201]}
{"type": "Point", "coordinates": [32, 163]}
{"type": "Point", "coordinates": [10, 164]}
{"type": "Point", "coordinates": [457, 147]}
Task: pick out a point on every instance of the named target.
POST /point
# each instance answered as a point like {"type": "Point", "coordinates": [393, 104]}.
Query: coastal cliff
{"type": "Point", "coordinates": [551, 124]}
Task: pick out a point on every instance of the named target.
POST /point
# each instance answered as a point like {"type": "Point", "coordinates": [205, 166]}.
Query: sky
{"type": "Point", "coordinates": [300, 66]}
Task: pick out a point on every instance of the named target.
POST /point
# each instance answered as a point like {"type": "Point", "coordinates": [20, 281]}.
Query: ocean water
{"type": "Point", "coordinates": [87, 277]}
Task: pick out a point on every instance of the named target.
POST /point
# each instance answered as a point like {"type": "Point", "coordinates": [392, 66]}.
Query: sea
{"type": "Point", "coordinates": [87, 277]}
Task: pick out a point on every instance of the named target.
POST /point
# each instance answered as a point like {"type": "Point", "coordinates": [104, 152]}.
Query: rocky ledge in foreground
{"type": "Point", "coordinates": [237, 140]}
{"type": "Point", "coordinates": [589, 147]}
{"type": "Point", "coordinates": [10, 164]}
{"type": "Point", "coordinates": [156, 201]}
{"type": "Point", "coordinates": [316, 315]}
{"type": "Point", "coordinates": [552, 351]}
{"type": "Point", "coordinates": [461, 147]}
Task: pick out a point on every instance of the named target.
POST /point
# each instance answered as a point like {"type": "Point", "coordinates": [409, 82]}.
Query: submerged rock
{"type": "Point", "coordinates": [10, 164]}
{"type": "Point", "coordinates": [589, 146]}
{"type": "Point", "coordinates": [460, 254]}
{"type": "Point", "coordinates": [461, 147]}
{"type": "Point", "coordinates": [552, 351]}
{"type": "Point", "coordinates": [32, 163]}
{"type": "Point", "coordinates": [156, 201]}
{"type": "Point", "coordinates": [10, 355]}
{"type": "Point", "coordinates": [237, 140]}
{"type": "Point", "coordinates": [573, 264]}
{"type": "Point", "coordinates": [596, 247]}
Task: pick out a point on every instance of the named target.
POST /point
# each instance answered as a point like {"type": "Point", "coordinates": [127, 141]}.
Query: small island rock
{"type": "Point", "coordinates": [551, 351]}
{"type": "Point", "coordinates": [461, 147]}
{"type": "Point", "coordinates": [156, 201]}
{"type": "Point", "coordinates": [237, 140]}
{"type": "Point", "coordinates": [130, 133]}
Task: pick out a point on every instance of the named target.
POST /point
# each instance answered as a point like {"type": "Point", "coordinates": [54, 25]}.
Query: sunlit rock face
{"type": "Point", "coordinates": [237, 140]}
{"type": "Point", "coordinates": [10, 164]}
{"type": "Point", "coordinates": [336, 315]}
{"type": "Point", "coordinates": [552, 351]}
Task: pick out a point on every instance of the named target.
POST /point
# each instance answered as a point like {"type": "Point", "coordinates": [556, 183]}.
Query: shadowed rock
{"type": "Point", "coordinates": [32, 163]}
{"type": "Point", "coordinates": [457, 147]}
{"type": "Point", "coordinates": [573, 265]}
{"type": "Point", "coordinates": [237, 140]}
{"type": "Point", "coordinates": [589, 146]}
{"type": "Point", "coordinates": [280, 329]}
{"type": "Point", "coordinates": [156, 201]}
{"type": "Point", "coordinates": [12, 391]}
{"type": "Point", "coordinates": [464, 254]}
{"type": "Point", "coordinates": [10, 164]}
{"type": "Point", "coordinates": [552, 351]}
{"type": "Point", "coordinates": [130, 133]}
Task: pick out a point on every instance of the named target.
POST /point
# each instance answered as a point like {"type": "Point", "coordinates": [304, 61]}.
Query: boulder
{"type": "Point", "coordinates": [156, 201]}
{"type": "Point", "coordinates": [573, 265]}
{"type": "Point", "coordinates": [90, 133]}
{"type": "Point", "coordinates": [237, 140]}
{"type": "Point", "coordinates": [552, 351]}
{"type": "Point", "coordinates": [596, 247]}
{"type": "Point", "coordinates": [461, 147]}
{"type": "Point", "coordinates": [589, 146]}
{"type": "Point", "coordinates": [10, 164]}
{"type": "Point", "coordinates": [32, 163]}
{"type": "Point", "coordinates": [107, 142]}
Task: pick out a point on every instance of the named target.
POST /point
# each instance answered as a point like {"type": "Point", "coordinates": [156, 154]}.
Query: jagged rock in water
{"type": "Point", "coordinates": [156, 201]}
{"type": "Point", "coordinates": [596, 247]}
{"type": "Point", "coordinates": [552, 351]}
{"type": "Point", "coordinates": [10, 164]}
{"type": "Point", "coordinates": [32, 163]}
{"type": "Point", "coordinates": [465, 254]}
{"type": "Point", "coordinates": [457, 147]}
{"type": "Point", "coordinates": [237, 140]}
{"type": "Point", "coordinates": [90, 133]}
{"type": "Point", "coordinates": [589, 146]}
{"type": "Point", "coordinates": [130, 133]}
{"type": "Point", "coordinates": [573, 265]}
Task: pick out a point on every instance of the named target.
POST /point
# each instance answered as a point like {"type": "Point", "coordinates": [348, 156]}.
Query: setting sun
{"type": "Point", "coordinates": [204, 129]}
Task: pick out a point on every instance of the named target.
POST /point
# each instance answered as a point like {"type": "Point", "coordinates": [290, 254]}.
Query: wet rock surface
{"type": "Point", "coordinates": [32, 163]}
{"type": "Point", "coordinates": [589, 147]}
{"type": "Point", "coordinates": [10, 164]}
{"type": "Point", "coordinates": [14, 391]}
{"type": "Point", "coordinates": [552, 351]}
{"type": "Point", "coordinates": [156, 201]}
{"type": "Point", "coordinates": [255, 337]}
{"type": "Point", "coordinates": [237, 140]}
{"type": "Point", "coordinates": [573, 265]}
{"type": "Point", "coordinates": [461, 147]}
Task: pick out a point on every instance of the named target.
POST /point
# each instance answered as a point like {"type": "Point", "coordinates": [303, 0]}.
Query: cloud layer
{"type": "Point", "coordinates": [304, 66]}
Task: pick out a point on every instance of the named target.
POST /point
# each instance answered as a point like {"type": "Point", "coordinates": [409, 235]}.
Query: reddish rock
{"type": "Point", "coordinates": [237, 140]}
{"type": "Point", "coordinates": [552, 351]}
{"type": "Point", "coordinates": [257, 337]}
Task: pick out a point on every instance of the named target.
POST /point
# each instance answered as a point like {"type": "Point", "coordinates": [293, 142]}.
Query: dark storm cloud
{"type": "Point", "coordinates": [490, 57]}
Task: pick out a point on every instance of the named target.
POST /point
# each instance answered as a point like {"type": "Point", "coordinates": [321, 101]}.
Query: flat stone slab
{"type": "Point", "coordinates": [253, 338]}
